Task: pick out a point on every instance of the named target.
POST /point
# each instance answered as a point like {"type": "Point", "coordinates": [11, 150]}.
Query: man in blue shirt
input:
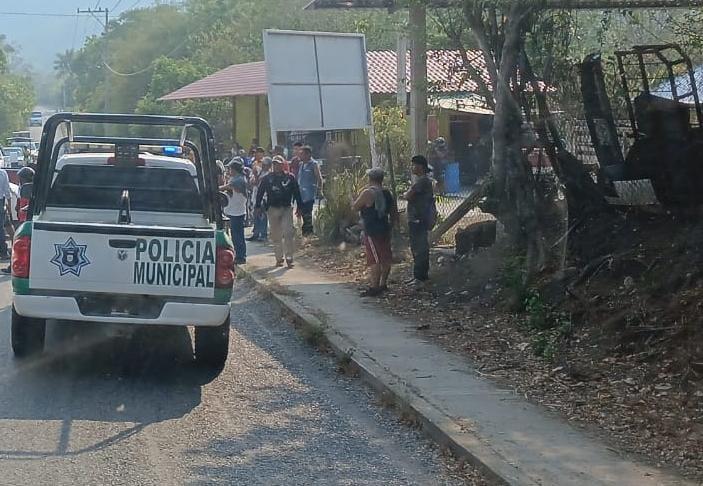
{"type": "Point", "coordinates": [310, 183]}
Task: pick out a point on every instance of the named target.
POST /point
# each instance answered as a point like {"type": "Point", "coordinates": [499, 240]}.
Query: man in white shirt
{"type": "Point", "coordinates": [236, 209]}
{"type": "Point", "coordinates": [5, 212]}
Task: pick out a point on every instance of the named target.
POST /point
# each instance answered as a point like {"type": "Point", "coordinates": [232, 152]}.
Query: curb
{"type": "Point", "coordinates": [433, 422]}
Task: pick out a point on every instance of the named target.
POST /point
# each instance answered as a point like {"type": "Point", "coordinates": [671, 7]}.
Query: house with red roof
{"type": "Point", "coordinates": [458, 111]}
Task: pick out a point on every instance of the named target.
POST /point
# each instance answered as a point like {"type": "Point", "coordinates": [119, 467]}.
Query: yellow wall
{"type": "Point", "coordinates": [245, 123]}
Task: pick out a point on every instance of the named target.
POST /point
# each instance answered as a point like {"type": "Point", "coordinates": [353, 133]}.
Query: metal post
{"type": "Point", "coordinates": [105, 57]}
{"type": "Point", "coordinates": [257, 120]}
{"type": "Point", "coordinates": [418, 89]}
{"type": "Point", "coordinates": [234, 120]}
{"type": "Point", "coordinates": [391, 168]}
{"type": "Point", "coordinates": [401, 70]}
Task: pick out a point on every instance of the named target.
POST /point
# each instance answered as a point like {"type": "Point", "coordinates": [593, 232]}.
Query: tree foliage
{"type": "Point", "coordinates": [16, 94]}
{"type": "Point", "coordinates": [152, 51]}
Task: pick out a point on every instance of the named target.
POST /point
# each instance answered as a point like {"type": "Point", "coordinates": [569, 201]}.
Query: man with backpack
{"type": "Point", "coordinates": [378, 212]}
{"type": "Point", "coordinates": [422, 216]}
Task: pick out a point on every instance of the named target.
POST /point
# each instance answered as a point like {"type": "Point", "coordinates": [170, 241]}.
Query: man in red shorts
{"type": "Point", "coordinates": [379, 213]}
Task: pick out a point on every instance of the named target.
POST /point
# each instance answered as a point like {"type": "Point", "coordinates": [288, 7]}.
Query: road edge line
{"type": "Point", "coordinates": [434, 423]}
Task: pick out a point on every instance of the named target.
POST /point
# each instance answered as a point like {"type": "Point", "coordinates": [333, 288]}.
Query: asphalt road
{"type": "Point", "coordinates": [105, 407]}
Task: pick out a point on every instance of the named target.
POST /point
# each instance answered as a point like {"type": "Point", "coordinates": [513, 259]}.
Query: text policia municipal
{"type": "Point", "coordinates": [174, 263]}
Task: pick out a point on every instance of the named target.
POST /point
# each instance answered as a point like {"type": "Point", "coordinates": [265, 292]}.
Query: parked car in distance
{"type": "Point", "coordinates": [14, 156]}
{"type": "Point", "coordinates": [26, 144]}
{"type": "Point", "coordinates": [36, 119]}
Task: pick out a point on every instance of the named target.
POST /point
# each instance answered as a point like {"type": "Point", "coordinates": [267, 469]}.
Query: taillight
{"type": "Point", "coordinates": [20, 257]}
{"type": "Point", "coordinates": [224, 273]}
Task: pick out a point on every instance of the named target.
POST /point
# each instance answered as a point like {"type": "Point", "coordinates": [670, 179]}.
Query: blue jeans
{"type": "Point", "coordinates": [261, 226]}
{"type": "Point", "coordinates": [420, 247]}
{"type": "Point", "coordinates": [3, 243]}
{"type": "Point", "coordinates": [306, 211]}
{"type": "Point", "coordinates": [237, 230]}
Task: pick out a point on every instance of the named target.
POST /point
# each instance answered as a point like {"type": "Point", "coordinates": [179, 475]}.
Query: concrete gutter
{"type": "Point", "coordinates": [439, 427]}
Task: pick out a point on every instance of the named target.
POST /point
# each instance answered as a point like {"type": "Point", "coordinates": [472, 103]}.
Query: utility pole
{"type": "Point", "coordinates": [106, 27]}
{"type": "Point", "coordinates": [418, 75]}
{"type": "Point", "coordinates": [402, 76]}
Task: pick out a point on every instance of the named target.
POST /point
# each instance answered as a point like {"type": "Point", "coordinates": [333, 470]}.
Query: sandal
{"type": "Point", "coordinates": [371, 292]}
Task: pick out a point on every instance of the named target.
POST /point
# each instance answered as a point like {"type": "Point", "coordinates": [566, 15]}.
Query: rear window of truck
{"type": "Point", "coordinates": [101, 187]}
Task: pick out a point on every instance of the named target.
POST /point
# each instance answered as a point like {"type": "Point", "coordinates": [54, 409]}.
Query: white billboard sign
{"type": "Point", "coordinates": [317, 81]}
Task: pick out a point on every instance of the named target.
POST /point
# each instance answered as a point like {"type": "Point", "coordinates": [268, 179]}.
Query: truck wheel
{"type": "Point", "coordinates": [212, 345]}
{"type": "Point", "coordinates": [27, 335]}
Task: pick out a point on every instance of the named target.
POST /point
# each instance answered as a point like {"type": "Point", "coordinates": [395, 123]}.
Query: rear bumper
{"type": "Point", "coordinates": [172, 314]}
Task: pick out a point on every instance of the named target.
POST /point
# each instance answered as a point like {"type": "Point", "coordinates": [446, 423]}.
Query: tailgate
{"type": "Point", "coordinates": [139, 260]}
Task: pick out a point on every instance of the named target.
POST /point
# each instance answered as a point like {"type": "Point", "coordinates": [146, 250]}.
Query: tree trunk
{"type": "Point", "coordinates": [515, 186]}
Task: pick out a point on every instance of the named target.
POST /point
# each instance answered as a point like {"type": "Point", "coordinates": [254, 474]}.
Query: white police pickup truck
{"type": "Point", "coordinates": [132, 236]}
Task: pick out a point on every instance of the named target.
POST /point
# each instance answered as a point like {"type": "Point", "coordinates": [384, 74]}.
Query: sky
{"type": "Point", "coordinates": [42, 28]}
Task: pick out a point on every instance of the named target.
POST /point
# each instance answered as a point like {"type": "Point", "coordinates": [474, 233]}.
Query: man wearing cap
{"type": "Point", "coordinates": [279, 151]}
{"type": "Point", "coordinates": [281, 189]}
{"type": "Point", "coordinates": [421, 218]}
{"type": "Point", "coordinates": [236, 209]}
{"type": "Point", "coordinates": [378, 213]}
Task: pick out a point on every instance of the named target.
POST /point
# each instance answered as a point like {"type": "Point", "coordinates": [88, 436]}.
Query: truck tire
{"type": "Point", "coordinates": [212, 345]}
{"type": "Point", "coordinates": [27, 335]}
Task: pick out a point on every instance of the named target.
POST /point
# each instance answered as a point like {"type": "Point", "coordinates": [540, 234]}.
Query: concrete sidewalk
{"type": "Point", "coordinates": [512, 440]}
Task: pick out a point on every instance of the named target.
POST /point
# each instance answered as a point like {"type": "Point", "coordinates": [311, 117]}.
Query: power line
{"type": "Point", "coordinates": [106, 26]}
{"type": "Point", "coordinates": [37, 14]}
{"type": "Point", "coordinates": [114, 7]}
{"type": "Point", "coordinates": [151, 64]}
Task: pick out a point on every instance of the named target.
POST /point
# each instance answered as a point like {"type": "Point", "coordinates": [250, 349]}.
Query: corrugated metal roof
{"type": "Point", "coordinates": [445, 71]}
{"type": "Point", "coordinates": [235, 80]}
{"type": "Point", "coordinates": [445, 74]}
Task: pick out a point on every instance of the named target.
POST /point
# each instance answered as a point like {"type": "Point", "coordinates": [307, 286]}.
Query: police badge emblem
{"type": "Point", "coordinates": [70, 257]}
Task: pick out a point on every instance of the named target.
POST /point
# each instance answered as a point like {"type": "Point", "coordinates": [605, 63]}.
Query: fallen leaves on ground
{"type": "Point", "coordinates": [637, 400]}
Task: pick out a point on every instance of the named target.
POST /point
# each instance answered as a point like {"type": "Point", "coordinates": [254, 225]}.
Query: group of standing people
{"type": "Point", "coordinates": [265, 188]}
{"type": "Point", "coordinates": [378, 211]}
{"type": "Point", "coordinates": [272, 185]}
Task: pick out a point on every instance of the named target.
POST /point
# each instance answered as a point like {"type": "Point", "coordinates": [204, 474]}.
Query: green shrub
{"type": "Point", "coordinates": [513, 279]}
{"type": "Point", "coordinates": [391, 125]}
{"type": "Point", "coordinates": [336, 215]}
{"type": "Point", "coordinates": [549, 326]}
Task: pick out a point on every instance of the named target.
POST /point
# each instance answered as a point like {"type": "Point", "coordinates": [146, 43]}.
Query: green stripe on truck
{"type": "Point", "coordinates": [25, 229]}
{"type": "Point", "coordinates": [223, 296]}
{"type": "Point", "coordinates": [223, 239]}
{"type": "Point", "coordinates": [20, 285]}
